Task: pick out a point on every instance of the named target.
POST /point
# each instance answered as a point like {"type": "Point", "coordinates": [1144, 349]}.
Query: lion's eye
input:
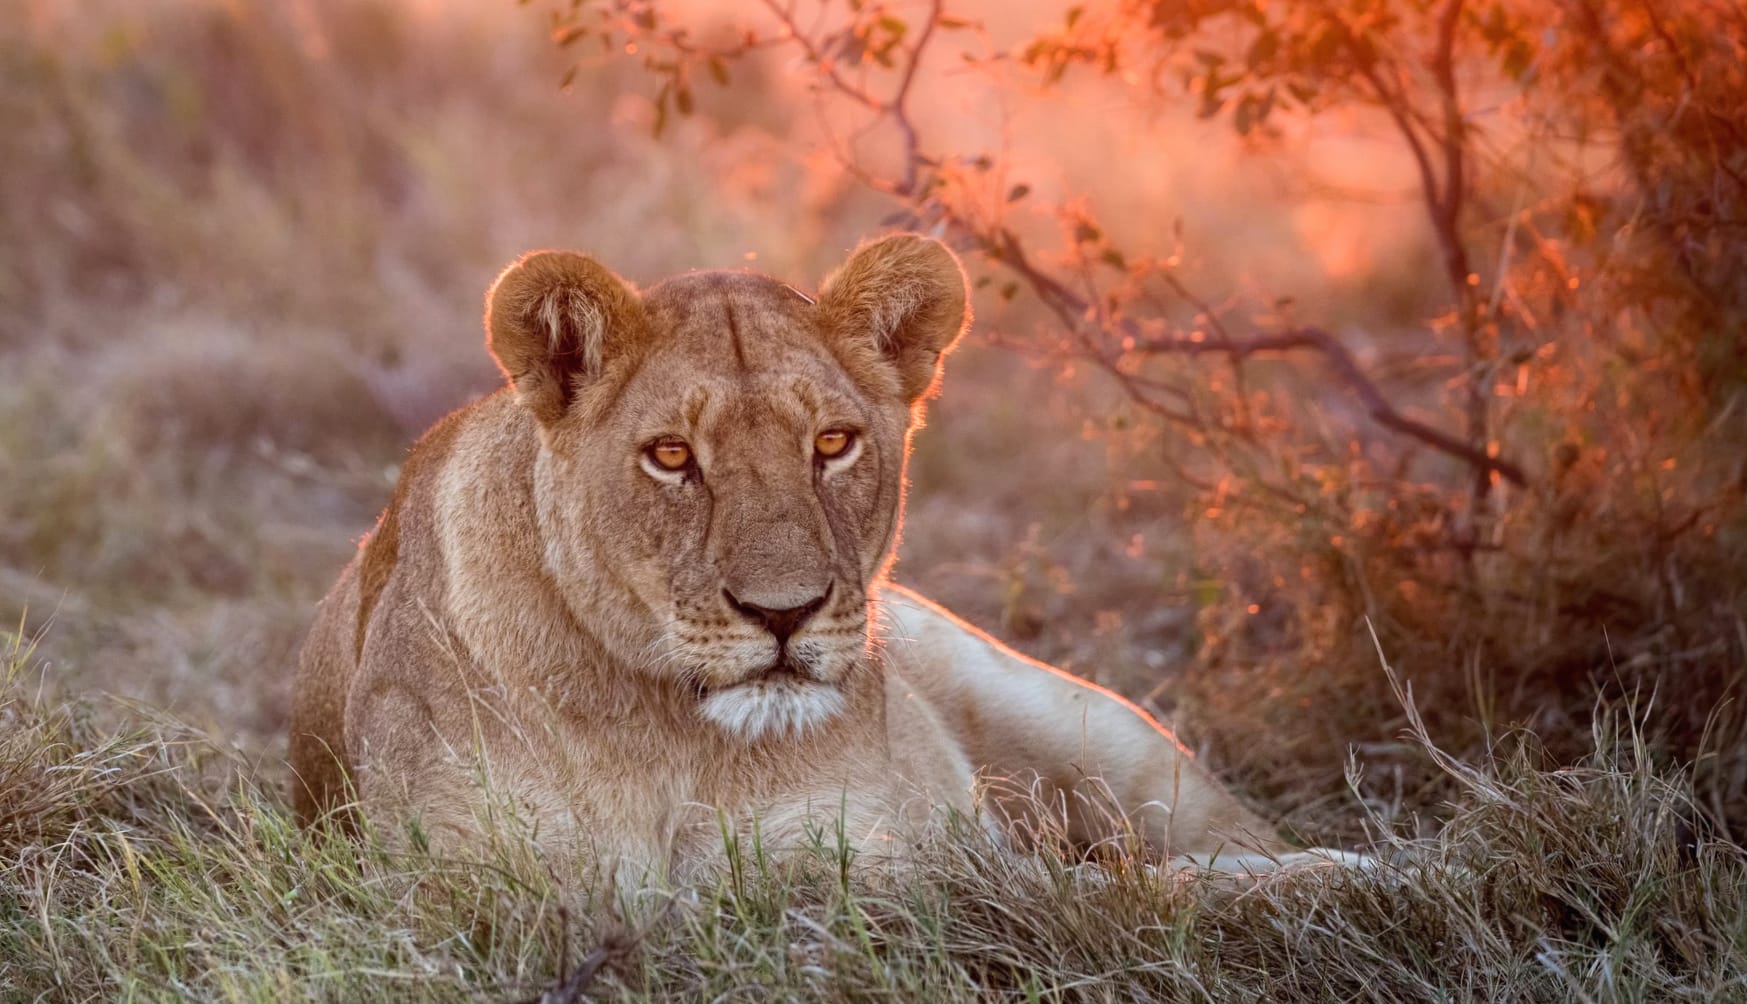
{"type": "Point", "coordinates": [670, 454]}
{"type": "Point", "coordinates": [833, 442]}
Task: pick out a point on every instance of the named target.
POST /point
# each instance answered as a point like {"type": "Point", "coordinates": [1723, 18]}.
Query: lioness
{"type": "Point", "coordinates": [641, 592]}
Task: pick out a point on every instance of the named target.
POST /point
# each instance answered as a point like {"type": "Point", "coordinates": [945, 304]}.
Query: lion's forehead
{"type": "Point", "coordinates": [741, 353]}
{"type": "Point", "coordinates": [741, 312]}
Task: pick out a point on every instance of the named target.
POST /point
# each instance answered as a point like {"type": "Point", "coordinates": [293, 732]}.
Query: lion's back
{"type": "Point", "coordinates": [325, 669]}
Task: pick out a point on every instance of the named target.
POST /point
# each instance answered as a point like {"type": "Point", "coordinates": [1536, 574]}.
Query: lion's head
{"type": "Point", "coordinates": [721, 467]}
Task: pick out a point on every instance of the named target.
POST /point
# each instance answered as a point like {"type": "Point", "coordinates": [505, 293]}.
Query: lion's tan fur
{"type": "Point", "coordinates": [543, 622]}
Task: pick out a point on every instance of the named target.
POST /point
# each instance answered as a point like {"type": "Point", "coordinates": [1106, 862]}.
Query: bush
{"type": "Point", "coordinates": [1522, 469]}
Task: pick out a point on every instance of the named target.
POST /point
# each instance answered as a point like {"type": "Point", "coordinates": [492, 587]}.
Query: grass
{"type": "Point", "coordinates": [147, 862]}
{"type": "Point", "coordinates": [245, 248]}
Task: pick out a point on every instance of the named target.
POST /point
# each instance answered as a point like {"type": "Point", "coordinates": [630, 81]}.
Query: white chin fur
{"type": "Point", "coordinates": [754, 711]}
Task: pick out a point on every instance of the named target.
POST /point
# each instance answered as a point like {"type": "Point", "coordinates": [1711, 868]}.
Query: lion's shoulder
{"type": "Point", "coordinates": [408, 517]}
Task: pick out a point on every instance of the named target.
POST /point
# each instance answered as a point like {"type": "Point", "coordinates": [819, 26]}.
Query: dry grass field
{"type": "Point", "coordinates": [242, 251]}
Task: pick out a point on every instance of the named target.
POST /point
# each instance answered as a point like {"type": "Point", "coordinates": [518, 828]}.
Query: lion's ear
{"type": "Point", "coordinates": [902, 299]}
{"type": "Point", "coordinates": [553, 320]}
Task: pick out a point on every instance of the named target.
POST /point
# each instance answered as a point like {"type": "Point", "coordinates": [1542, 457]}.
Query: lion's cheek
{"type": "Point", "coordinates": [861, 523]}
{"type": "Point", "coordinates": [616, 581]}
{"type": "Point", "coordinates": [831, 659]}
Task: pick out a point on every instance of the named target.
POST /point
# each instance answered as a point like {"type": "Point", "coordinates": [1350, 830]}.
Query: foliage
{"type": "Point", "coordinates": [1532, 487]}
{"type": "Point", "coordinates": [244, 249]}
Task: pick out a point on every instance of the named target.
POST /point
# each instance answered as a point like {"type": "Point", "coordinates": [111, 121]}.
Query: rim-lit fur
{"type": "Point", "coordinates": [549, 624]}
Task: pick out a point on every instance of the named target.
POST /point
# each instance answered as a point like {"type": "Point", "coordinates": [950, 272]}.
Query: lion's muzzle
{"type": "Point", "coordinates": [781, 622]}
{"type": "Point", "coordinates": [790, 694]}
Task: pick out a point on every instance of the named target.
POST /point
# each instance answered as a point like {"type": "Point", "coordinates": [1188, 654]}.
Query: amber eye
{"type": "Point", "coordinates": [833, 442]}
{"type": "Point", "coordinates": [670, 454]}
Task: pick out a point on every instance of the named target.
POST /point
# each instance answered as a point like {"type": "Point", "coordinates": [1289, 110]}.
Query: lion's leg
{"type": "Point", "coordinates": [1252, 863]}
{"type": "Point", "coordinates": [1025, 723]}
{"type": "Point", "coordinates": [447, 755]}
{"type": "Point", "coordinates": [465, 794]}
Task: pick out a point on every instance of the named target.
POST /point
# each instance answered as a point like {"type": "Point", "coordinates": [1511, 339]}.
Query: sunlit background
{"type": "Point", "coordinates": [245, 244]}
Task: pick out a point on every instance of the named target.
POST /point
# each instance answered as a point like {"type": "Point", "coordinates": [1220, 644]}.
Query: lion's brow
{"type": "Point", "coordinates": [695, 402]}
{"type": "Point", "coordinates": [734, 334]}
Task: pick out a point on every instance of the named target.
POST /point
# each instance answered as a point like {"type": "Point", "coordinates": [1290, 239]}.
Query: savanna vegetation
{"type": "Point", "coordinates": [1357, 385]}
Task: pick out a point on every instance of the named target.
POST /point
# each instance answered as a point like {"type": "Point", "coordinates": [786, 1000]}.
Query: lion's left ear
{"type": "Point", "coordinates": [554, 320]}
{"type": "Point", "coordinates": [899, 302]}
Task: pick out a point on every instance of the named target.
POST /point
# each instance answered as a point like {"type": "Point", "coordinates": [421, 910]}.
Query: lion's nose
{"type": "Point", "coordinates": [781, 623]}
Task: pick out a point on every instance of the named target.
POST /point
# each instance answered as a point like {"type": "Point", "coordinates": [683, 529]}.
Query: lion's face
{"type": "Point", "coordinates": [722, 469]}
{"type": "Point", "coordinates": [743, 490]}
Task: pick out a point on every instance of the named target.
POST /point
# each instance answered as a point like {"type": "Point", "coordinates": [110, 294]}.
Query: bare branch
{"type": "Point", "coordinates": [1444, 69]}
{"type": "Point", "coordinates": [1078, 313]}
{"type": "Point", "coordinates": [1348, 370]}
{"type": "Point", "coordinates": [811, 52]}
{"type": "Point", "coordinates": [1069, 307]}
{"type": "Point", "coordinates": [895, 108]}
{"type": "Point", "coordinates": [898, 107]}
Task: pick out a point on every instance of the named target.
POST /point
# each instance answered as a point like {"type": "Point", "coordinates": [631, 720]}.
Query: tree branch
{"type": "Point", "coordinates": [1071, 308]}
{"type": "Point", "coordinates": [899, 110]}
{"type": "Point", "coordinates": [1350, 373]}
{"type": "Point", "coordinates": [1079, 315]}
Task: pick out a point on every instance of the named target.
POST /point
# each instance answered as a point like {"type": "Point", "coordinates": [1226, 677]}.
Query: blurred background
{"type": "Point", "coordinates": [243, 246]}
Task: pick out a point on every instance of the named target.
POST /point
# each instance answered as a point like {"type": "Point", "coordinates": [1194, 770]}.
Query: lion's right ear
{"type": "Point", "coordinates": [903, 300]}
{"type": "Point", "coordinates": [553, 320]}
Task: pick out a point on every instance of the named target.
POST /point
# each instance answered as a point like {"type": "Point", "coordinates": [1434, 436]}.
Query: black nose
{"type": "Point", "coordinates": [781, 623]}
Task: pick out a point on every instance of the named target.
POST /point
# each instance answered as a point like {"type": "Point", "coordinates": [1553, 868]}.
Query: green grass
{"type": "Point", "coordinates": [147, 862]}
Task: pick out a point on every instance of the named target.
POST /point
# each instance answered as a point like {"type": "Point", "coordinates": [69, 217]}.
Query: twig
{"type": "Point", "coordinates": [899, 110]}
{"type": "Point", "coordinates": [570, 991]}
{"type": "Point", "coordinates": [1454, 140]}
{"type": "Point", "coordinates": [896, 108]}
{"type": "Point", "coordinates": [1079, 315]}
{"type": "Point", "coordinates": [820, 60]}
{"type": "Point", "coordinates": [1444, 199]}
{"type": "Point", "coordinates": [1068, 306]}
{"type": "Point", "coordinates": [1348, 370]}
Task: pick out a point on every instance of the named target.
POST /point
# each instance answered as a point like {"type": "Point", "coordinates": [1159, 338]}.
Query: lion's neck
{"type": "Point", "coordinates": [499, 594]}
